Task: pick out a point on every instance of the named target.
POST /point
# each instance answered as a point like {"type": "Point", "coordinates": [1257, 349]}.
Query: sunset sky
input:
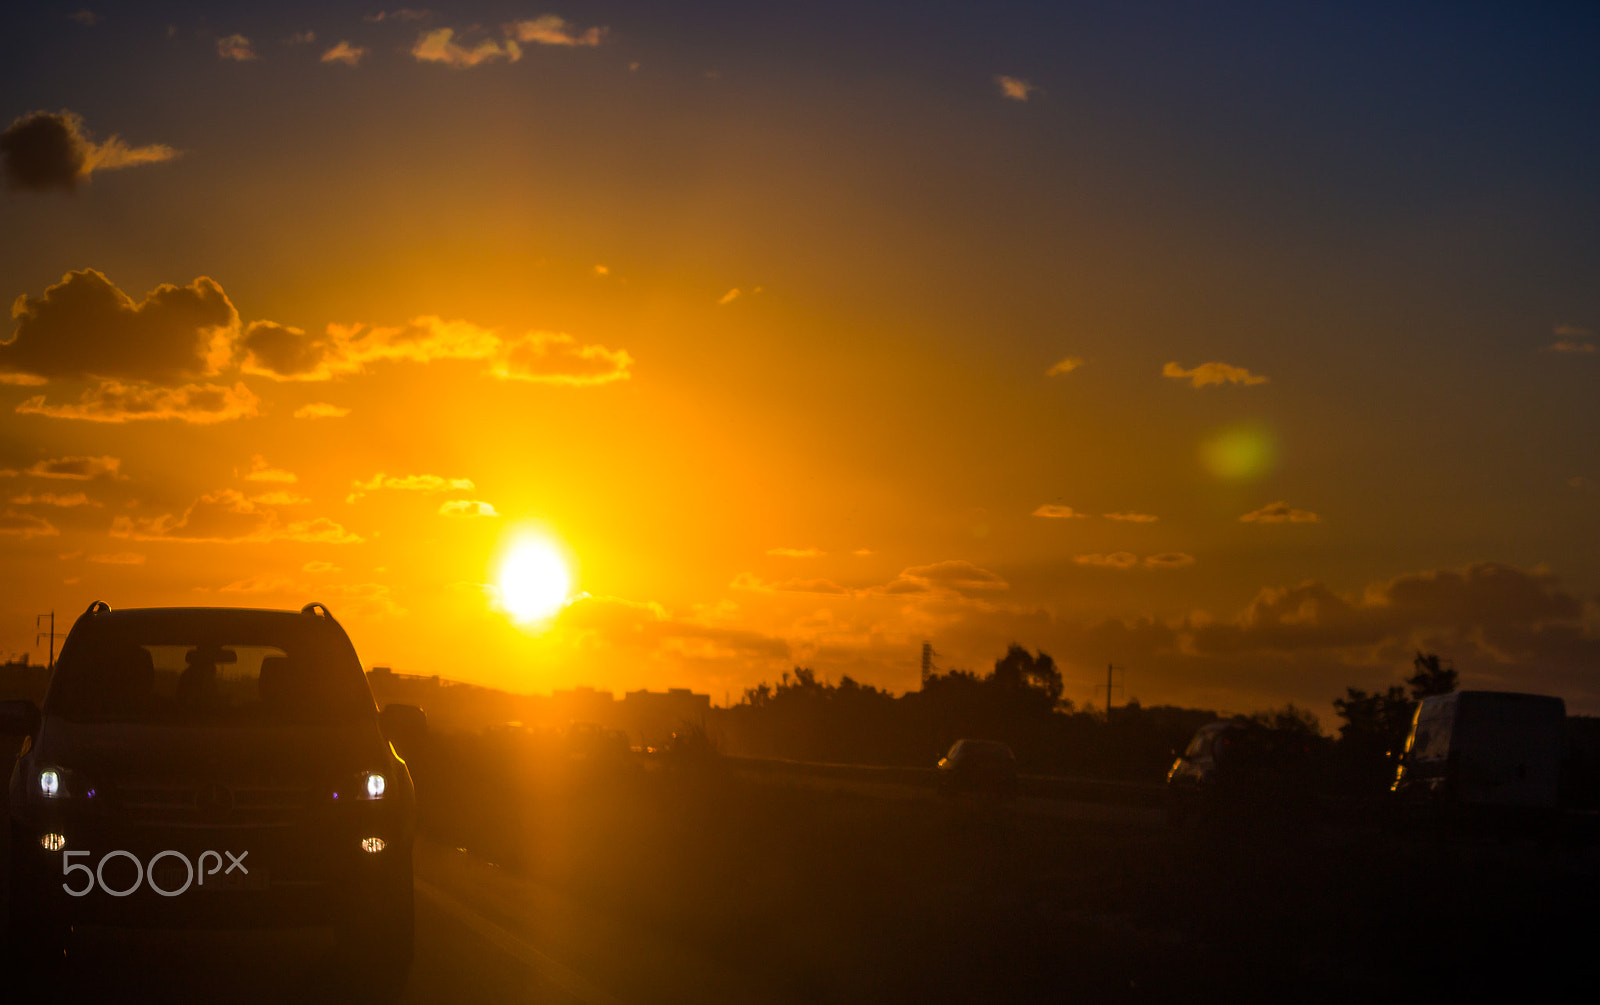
{"type": "Point", "coordinates": [1249, 346]}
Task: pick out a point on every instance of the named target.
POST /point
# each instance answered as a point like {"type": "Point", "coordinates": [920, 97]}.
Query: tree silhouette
{"type": "Point", "coordinates": [1431, 677]}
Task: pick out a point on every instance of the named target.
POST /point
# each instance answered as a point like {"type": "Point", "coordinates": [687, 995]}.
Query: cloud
{"type": "Point", "coordinates": [71, 499]}
{"type": "Point", "coordinates": [79, 469]}
{"type": "Point", "coordinates": [630, 624]}
{"type": "Point", "coordinates": [408, 483]}
{"type": "Point", "coordinates": [403, 14]}
{"type": "Point", "coordinates": [301, 38]}
{"type": "Point", "coordinates": [48, 150]}
{"type": "Point", "coordinates": [1212, 373]}
{"type": "Point", "coordinates": [366, 600]}
{"type": "Point", "coordinates": [236, 48]}
{"type": "Point", "coordinates": [264, 584]}
{"type": "Point", "coordinates": [227, 516]}
{"type": "Point", "coordinates": [114, 401]}
{"type": "Point", "coordinates": [1054, 512]}
{"type": "Point", "coordinates": [556, 358]}
{"type": "Point", "coordinates": [261, 471]}
{"type": "Point", "coordinates": [119, 558]}
{"type": "Point", "coordinates": [729, 297]}
{"type": "Point", "coordinates": [85, 327]}
{"type": "Point", "coordinates": [1572, 331]}
{"type": "Point", "coordinates": [344, 52]}
{"type": "Point", "coordinates": [320, 410]}
{"type": "Point", "coordinates": [283, 353]}
{"type": "Point", "coordinates": [1567, 345]}
{"type": "Point", "coordinates": [1132, 517]}
{"type": "Point", "coordinates": [26, 525]}
{"type": "Point", "coordinates": [746, 581]}
{"type": "Point", "coordinates": [1066, 366]}
{"type": "Point", "coordinates": [1279, 512]}
{"type": "Point", "coordinates": [1015, 88]}
{"type": "Point", "coordinates": [319, 567]}
{"type": "Point", "coordinates": [547, 29]}
{"type": "Point", "coordinates": [1169, 560]}
{"type": "Point", "coordinates": [466, 507]}
{"type": "Point", "coordinates": [85, 17]}
{"type": "Point", "coordinates": [795, 552]}
{"type": "Point", "coordinates": [281, 497]}
{"type": "Point", "coordinates": [956, 576]}
{"type": "Point", "coordinates": [1115, 560]}
{"type": "Point", "coordinates": [439, 46]}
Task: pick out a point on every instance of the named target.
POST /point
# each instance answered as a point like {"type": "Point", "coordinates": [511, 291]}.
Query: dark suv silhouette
{"type": "Point", "coordinates": [213, 768]}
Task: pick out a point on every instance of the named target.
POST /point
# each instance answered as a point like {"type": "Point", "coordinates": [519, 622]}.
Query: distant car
{"type": "Point", "coordinates": [1483, 752]}
{"type": "Point", "coordinates": [213, 768]}
{"type": "Point", "coordinates": [1239, 767]}
{"type": "Point", "coordinates": [984, 767]}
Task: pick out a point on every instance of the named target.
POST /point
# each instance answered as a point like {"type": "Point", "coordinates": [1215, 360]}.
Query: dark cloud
{"type": "Point", "coordinates": [228, 516]}
{"type": "Point", "coordinates": [115, 401]}
{"type": "Point", "coordinates": [84, 326]}
{"type": "Point", "coordinates": [51, 150]}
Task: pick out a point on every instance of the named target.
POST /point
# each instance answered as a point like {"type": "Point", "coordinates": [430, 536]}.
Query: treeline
{"type": "Point", "coordinates": [1019, 702]}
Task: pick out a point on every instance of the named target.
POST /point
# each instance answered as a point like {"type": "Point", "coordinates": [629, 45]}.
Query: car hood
{"type": "Point", "coordinates": [117, 751]}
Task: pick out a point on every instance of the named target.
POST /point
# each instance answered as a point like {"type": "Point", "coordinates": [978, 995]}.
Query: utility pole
{"type": "Point", "coordinates": [51, 634]}
{"type": "Point", "coordinates": [1110, 684]}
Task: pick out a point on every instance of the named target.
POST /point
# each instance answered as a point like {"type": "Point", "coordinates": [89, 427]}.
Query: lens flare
{"type": "Point", "coordinates": [1240, 453]}
{"type": "Point", "coordinates": [533, 581]}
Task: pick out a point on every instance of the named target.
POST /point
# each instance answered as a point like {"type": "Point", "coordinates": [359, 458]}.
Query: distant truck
{"type": "Point", "coordinates": [1483, 752]}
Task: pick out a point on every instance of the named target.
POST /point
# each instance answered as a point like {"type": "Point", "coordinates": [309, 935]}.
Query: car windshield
{"type": "Point", "coordinates": [198, 668]}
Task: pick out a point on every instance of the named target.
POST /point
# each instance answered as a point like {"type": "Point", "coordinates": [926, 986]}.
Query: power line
{"type": "Point", "coordinates": [1111, 684]}
{"type": "Point", "coordinates": [51, 634]}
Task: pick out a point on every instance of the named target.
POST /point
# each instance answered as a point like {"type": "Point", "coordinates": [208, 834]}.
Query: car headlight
{"type": "Point", "coordinates": [50, 783]}
{"type": "Point", "coordinates": [373, 785]}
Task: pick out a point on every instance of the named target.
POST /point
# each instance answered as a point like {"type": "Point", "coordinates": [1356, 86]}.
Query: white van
{"type": "Point", "coordinates": [1486, 750]}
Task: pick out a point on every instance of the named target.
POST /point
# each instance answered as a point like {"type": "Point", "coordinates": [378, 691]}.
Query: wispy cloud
{"type": "Point", "coordinates": [548, 29]}
{"type": "Point", "coordinates": [408, 483]}
{"type": "Point", "coordinates": [1053, 511]}
{"type": "Point", "coordinates": [1115, 560]}
{"type": "Point", "coordinates": [344, 52]}
{"type": "Point", "coordinates": [1015, 88]}
{"type": "Point", "coordinates": [320, 410]}
{"type": "Point", "coordinates": [119, 558]}
{"type": "Point", "coordinates": [236, 48]}
{"type": "Point", "coordinates": [1132, 517]}
{"type": "Point", "coordinates": [1169, 560]}
{"type": "Point", "coordinates": [69, 500]}
{"type": "Point", "coordinates": [439, 46]}
{"type": "Point", "coordinates": [728, 297]}
{"type": "Point", "coordinates": [285, 353]}
{"type": "Point", "coordinates": [1212, 373]}
{"type": "Point", "coordinates": [795, 552]}
{"type": "Point", "coordinates": [85, 17]}
{"type": "Point", "coordinates": [301, 38]}
{"type": "Point", "coordinates": [467, 508]}
{"type": "Point", "coordinates": [115, 401]}
{"type": "Point", "coordinates": [261, 471]}
{"type": "Point", "coordinates": [1572, 338]}
{"type": "Point", "coordinates": [228, 516]}
{"type": "Point", "coordinates": [26, 525]}
{"type": "Point", "coordinates": [51, 150]}
{"type": "Point", "coordinates": [1066, 366]}
{"type": "Point", "coordinates": [403, 14]}
{"type": "Point", "coordinates": [78, 469]}
{"type": "Point", "coordinates": [1280, 512]}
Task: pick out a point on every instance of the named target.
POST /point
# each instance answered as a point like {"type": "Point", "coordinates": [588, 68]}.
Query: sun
{"type": "Point", "coordinates": [533, 580]}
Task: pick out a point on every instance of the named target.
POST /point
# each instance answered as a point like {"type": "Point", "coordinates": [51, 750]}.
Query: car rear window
{"type": "Point", "coordinates": [209, 669]}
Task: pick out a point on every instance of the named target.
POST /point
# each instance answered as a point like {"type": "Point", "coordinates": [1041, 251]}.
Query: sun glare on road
{"type": "Point", "coordinates": [533, 580]}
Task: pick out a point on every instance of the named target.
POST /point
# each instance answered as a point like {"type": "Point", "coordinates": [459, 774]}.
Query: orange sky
{"type": "Point", "coordinates": [805, 352]}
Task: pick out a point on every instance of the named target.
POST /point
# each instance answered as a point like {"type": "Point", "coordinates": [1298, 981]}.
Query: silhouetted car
{"type": "Point", "coordinates": [986, 767]}
{"type": "Point", "coordinates": [1236, 766]}
{"type": "Point", "coordinates": [213, 768]}
{"type": "Point", "coordinates": [1485, 753]}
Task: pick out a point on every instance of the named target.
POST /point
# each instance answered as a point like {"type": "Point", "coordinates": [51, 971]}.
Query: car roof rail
{"type": "Point", "coordinates": [98, 607]}
{"type": "Point", "coordinates": [317, 610]}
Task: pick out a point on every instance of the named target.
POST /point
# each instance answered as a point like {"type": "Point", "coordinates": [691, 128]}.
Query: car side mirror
{"type": "Point", "coordinates": [405, 726]}
{"type": "Point", "coordinates": [18, 718]}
